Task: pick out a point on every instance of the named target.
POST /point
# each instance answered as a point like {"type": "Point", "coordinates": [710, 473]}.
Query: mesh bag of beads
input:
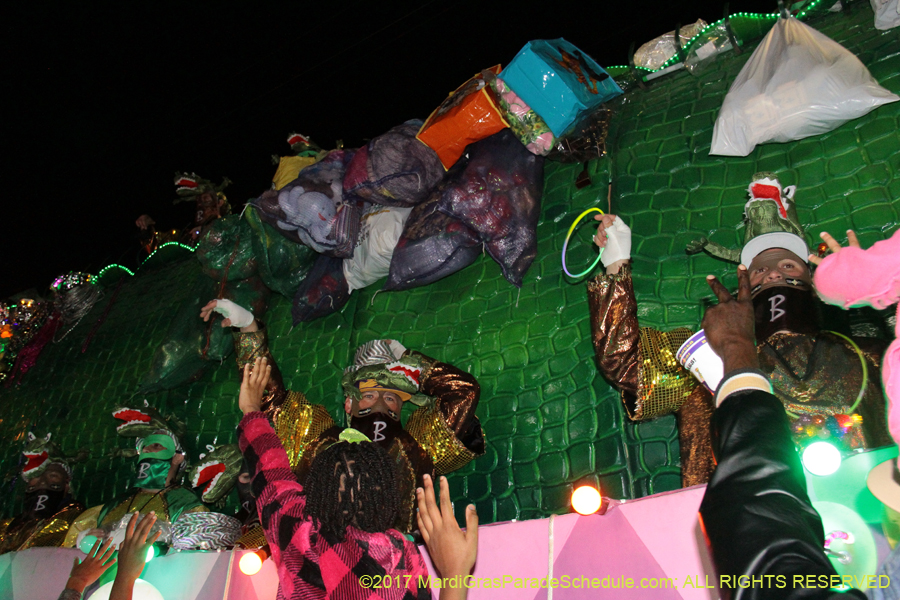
{"type": "Point", "coordinates": [324, 291]}
{"type": "Point", "coordinates": [433, 244]}
{"type": "Point", "coordinates": [497, 194]}
{"type": "Point", "coordinates": [394, 169]}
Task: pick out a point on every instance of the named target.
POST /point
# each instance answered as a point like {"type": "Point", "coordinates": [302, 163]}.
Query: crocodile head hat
{"type": "Point", "coordinates": [770, 221]}
{"type": "Point", "coordinates": [377, 367]}
{"type": "Point", "coordinates": [40, 453]}
{"type": "Point", "coordinates": [216, 472]}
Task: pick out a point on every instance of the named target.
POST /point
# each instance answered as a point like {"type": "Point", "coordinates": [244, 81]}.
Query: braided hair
{"type": "Point", "coordinates": [370, 499]}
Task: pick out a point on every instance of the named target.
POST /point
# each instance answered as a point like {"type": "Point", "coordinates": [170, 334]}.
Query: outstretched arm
{"type": "Point", "coordinates": [875, 272]}
{"type": "Point", "coordinates": [87, 571]}
{"type": "Point", "coordinates": [133, 555]}
{"type": "Point", "coordinates": [451, 550]}
{"type": "Point", "coordinates": [250, 343]}
{"type": "Point", "coordinates": [448, 431]}
{"type": "Point", "coordinates": [456, 393]}
{"type": "Point", "coordinates": [640, 361]}
{"type": "Point", "coordinates": [613, 310]}
{"type": "Point", "coordinates": [278, 493]}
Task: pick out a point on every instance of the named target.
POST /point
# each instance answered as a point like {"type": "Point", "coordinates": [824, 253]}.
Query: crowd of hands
{"type": "Point", "coordinates": [131, 558]}
{"type": "Point", "coordinates": [451, 549]}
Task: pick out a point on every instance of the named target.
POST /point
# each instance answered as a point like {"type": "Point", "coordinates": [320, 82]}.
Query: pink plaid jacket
{"type": "Point", "coordinates": [365, 566]}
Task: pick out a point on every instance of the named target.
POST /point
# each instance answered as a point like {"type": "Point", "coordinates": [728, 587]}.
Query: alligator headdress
{"type": "Point", "coordinates": [141, 421]}
{"type": "Point", "coordinates": [189, 186]}
{"type": "Point", "coordinates": [771, 221]}
{"type": "Point", "coordinates": [217, 472]}
{"type": "Point", "coordinates": [40, 453]}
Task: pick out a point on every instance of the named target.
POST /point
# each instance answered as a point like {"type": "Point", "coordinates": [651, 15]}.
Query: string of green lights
{"type": "Point", "coordinates": [107, 268]}
{"type": "Point", "coordinates": [735, 19]}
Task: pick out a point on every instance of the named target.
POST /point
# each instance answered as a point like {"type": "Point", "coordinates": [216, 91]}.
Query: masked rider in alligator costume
{"type": "Point", "coordinates": [442, 435]}
{"type": "Point", "coordinates": [48, 508]}
{"type": "Point", "coordinates": [817, 374]}
{"type": "Point", "coordinates": [161, 460]}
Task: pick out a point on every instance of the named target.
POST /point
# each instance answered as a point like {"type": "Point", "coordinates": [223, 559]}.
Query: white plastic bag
{"type": "Point", "coordinates": [797, 83]}
{"type": "Point", "coordinates": [887, 13]}
{"type": "Point", "coordinates": [380, 229]}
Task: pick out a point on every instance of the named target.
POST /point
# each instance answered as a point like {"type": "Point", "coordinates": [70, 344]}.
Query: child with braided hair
{"type": "Point", "coordinates": [332, 536]}
{"type": "Point", "coordinates": [345, 479]}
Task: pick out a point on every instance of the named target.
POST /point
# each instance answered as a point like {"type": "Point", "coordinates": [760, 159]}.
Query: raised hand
{"type": "Point", "coordinates": [606, 222]}
{"type": "Point", "coordinates": [133, 555]}
{"type": "Point", "coordinates": [253, 385]}
{"type": "Point", "coordinates": [834, 246]}
{"type": "Point", "coordinates": [614, 236]}
{"type": "Point", "coordinates": [144, 221]}
{"type": "Point", "coordinates": [451, 550]}
{"type": "Point", "coordinates": [87, 571]}
{"type": "Point", "coordinates": [730, 325]}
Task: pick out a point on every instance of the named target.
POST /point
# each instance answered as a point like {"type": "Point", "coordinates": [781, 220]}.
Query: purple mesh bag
{"type": "Point", "coordinates": [433, 246]}
{"type": "Point", "coordinates": [395, 169]}
{"type": "Point", "coordinates": [498, 195]}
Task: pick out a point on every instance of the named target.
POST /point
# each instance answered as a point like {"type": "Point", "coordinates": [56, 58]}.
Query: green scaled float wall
{"type": "Point", "coordinates": [549, 419]}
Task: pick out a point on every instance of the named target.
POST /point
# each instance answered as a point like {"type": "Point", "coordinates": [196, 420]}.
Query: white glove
{"type": "Point", "coordinates": [618, 243]}
{"type": "Point", "coordinates": [240, 316]}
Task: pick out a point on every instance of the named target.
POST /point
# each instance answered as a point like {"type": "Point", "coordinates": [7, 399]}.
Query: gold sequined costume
{"type": "Point", "coordinates": [814, 376]}
{"type": "Point", "coordinates": [20, 533]}
{"type": "Point", "coordinates": [438, 438]}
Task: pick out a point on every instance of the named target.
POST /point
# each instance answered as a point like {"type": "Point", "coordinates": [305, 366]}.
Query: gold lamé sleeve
{"type": "Point", "coordinates": [663, 384]}
{"type": "Point", "coordinates": [430, 429]}
{"type": "Point", "coordinates": [251, 539]}
{"type": "Point", "coordinates": [83, 522]}
{"type": "Point", "coordinates": [249, 347]}
{"type": "Point", "coordinates": [54, 532]}
{"type": "Point", "coordinates": [456, 395]}
{"type": "Point", "coordinates": [299, 424]}
{"type": "Point", "coordinates": [614, 329]}
{"type": "Point", "coordinates": [639, 361]}
{"type": "Point", "coordinates": [448, 430]}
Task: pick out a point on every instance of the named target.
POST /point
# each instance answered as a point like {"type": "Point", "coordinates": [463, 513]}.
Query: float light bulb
{"type": "Point", "coordinates": [250, 563]}
{"type": "Point", "coordinates": [821, 458]}
{"type": "Point", "coordinates": [87, 544]}
{"type": "Point", "coordinates": [151, 552]}
{"type": "Point", "coordinates": [586, 500]}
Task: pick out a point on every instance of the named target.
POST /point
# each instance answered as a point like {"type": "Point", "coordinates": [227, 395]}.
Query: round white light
{"type": "Point", "coordinates": [821, 458]}
{"type": "Point", "coordinates": [151, 552]}
{"type": "Point", "coordinates": [586, 500]}
{"type": "Point", "coordinates": [250, 563]}
{"type": "Point", "coordinates": [87, 544]}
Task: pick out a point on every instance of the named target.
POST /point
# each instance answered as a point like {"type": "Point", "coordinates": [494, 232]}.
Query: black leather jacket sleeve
{"type": "Point", "coordinates": [766, 539]}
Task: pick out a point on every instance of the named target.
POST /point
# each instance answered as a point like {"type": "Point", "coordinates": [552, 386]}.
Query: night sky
{"type": "Point", "coordinates": [104, 102]}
